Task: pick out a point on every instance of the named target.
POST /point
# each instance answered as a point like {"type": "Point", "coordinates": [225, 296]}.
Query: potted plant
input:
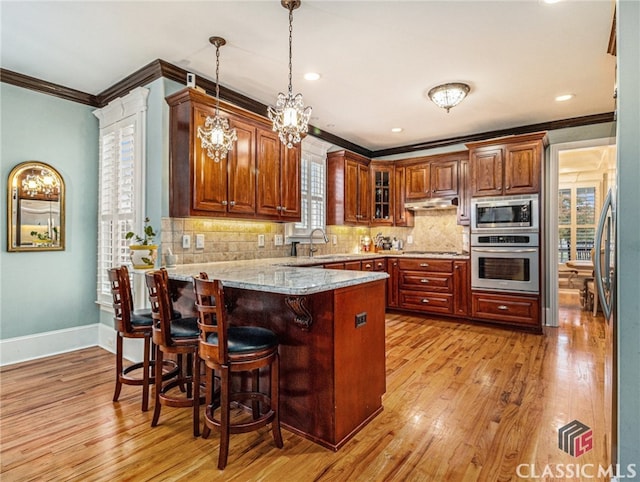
{"type": "Point", "coordinates": [143, 252]}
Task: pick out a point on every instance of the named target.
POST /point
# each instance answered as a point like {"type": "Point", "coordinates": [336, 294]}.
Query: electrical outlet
{"type": "Point", "coordinates": [186, 241]}
{"type": "Point", "coordinates": [260, 240]}
{"type": "Point", "coordinates": [334, 239]}
{"type": "Point", "coordinates": [409, 239]}
{"type": "Point", "coordinates": [199, 241]}
{"type": "Point", "coordinates": [361, 319]}
{"type": "Point", "coordinates": [277, 240]}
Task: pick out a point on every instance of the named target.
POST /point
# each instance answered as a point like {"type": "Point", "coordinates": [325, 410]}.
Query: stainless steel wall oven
{"type": "Point", "coordinates": [505, 262]}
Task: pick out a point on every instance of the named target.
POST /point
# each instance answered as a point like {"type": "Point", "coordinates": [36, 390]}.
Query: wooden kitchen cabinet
{"type": "Point", "coordinates": [277, 178]}
{"type": "Point", "coordinates": [392, 282]}
{"type": "Point", "coordinates": [402, 217]}
{"type": "Point", "coordinates": [348, 191]}
{"type": "Point", "coordinates": [461, 287]}
{"type": "Point", "coordinates": [426, 285]}
{"type": "Point", "coordinates": [382, 194]}
{"type": "Point", "coordinates": [507, 166]}
{"type": "Point", "coordinates": [512, 309]}
{"type": "Point", "coordinates": [199, 186]}
{"type": "Point", "coordinates": [432, 179]}
{"type": "Point", "coordinates": [464, 197]}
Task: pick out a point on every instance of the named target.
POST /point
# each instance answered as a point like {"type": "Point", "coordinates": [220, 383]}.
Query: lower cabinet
{"type": "Point", "coordinates": [506, 308]}
{"type": "Point", "coordinates": [426, 285]}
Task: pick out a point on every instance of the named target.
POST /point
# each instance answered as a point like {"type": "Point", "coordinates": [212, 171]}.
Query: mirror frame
{"type": "Point", "coordinates": [13, 205]}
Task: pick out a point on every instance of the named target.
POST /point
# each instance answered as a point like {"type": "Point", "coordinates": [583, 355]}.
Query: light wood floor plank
{"type": "Point", "coordinates": [463, 403]}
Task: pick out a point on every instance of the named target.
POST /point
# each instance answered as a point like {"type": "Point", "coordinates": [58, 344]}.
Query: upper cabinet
{"type": "Point", "coordinates": [259, 178]}
{"type": "Point", "coordinates": [402, 217]}
{"type": "Point", "coordinates": [507, 166]}
{"type": "Point", "coordinates": [432, 179]}
{"type": "Point", "coordinates": [348, 193]}
{"type": "Point", "coordinates": [382, 194]}
{"type": "Point", "coordinates": [277, 178]}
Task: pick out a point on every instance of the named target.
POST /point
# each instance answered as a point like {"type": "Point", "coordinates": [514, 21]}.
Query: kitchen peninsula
{"type": "Point", "coordinates": [331, 329]}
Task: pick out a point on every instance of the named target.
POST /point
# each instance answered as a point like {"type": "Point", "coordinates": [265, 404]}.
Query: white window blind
{"type": "Point", "coordinates": [313, 184]}
{"type": "Point", "coordinates": [121, 191]}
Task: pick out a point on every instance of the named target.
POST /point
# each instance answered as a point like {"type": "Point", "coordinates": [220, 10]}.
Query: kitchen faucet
{"type": "Point", "coordinates": [311, 248]}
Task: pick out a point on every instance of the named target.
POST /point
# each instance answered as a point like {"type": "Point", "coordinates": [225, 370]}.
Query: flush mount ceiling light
{"type": "Point", "coordinates": [216, 136]}
{"type": "Point", "coordinates": [289, 116]}
{"type": "Point", "coordinates": [448, 95]}
{"type": "Point", "coordinates": [564, 97]}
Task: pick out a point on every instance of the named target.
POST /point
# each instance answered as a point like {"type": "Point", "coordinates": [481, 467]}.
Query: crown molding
{"type": "Point", "coordinates": [161, 68]}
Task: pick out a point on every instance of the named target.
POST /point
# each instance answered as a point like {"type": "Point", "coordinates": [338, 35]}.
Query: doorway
{"type": "Point", "coordinates": [580, 175]}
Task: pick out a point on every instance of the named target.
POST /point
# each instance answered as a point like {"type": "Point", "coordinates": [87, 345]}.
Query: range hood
{"type": "Point", "coordinates": [432, 203]}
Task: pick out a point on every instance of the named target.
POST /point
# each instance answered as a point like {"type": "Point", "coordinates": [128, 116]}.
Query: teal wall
{"type": "Point", "coordinates": [50, 290]}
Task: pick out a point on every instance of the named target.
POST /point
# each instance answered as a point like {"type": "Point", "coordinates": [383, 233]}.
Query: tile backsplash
{"type": "Point", "coordinates": [229, 240]}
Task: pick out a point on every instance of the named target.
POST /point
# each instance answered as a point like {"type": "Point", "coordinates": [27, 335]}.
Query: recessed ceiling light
{"type": "Point", "coordinates": [564, 97]}
{"type": "Point", "coordinates": [311, 76]}
{"type": "Point", "coordinates": [397, 129]}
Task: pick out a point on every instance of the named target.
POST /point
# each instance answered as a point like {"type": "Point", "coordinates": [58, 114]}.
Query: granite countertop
{"type": "Point", "coordinates": [338, 258]}
{"type": "Point", "coordinates": [271, 275]}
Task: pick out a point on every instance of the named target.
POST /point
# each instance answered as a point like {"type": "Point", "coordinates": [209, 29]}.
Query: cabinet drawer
{"type": "Point", "coordinates": [334, 266]}
{"type": "Point", "coordinates": [430, 302]}
{"type": "Point", "coordinates": [415, 280]}
{"type": "Point", "coordinates": [426, 264]}
{"type": "Point", "coordinates": [353, 265]}
{"type": "Point", "coordinates": [507, 308]}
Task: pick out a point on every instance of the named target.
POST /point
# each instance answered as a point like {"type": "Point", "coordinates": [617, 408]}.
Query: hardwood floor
{"type": "Point", "coordinates": [463, 403]}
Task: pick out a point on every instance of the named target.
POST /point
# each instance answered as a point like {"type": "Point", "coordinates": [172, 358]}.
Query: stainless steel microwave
{"type": "Point", "coordinates": [505, 213]}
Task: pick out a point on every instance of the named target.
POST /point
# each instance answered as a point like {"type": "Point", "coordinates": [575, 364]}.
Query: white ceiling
{"type": "Point", "coordinates": [377, 58]}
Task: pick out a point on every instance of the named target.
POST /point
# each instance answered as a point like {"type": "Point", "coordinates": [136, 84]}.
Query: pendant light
{"type": "Point", "coordinates": [289, 116]}
{"type": "Point", "coordinates": [216, 136]}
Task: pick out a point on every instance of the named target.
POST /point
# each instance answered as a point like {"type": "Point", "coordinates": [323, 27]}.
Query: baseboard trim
{"type": "Point", "coordinates": [40, 345]}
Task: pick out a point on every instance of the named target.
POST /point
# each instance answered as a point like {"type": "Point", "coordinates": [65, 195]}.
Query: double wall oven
{"type": "Point", "coordinates": [505, 244]}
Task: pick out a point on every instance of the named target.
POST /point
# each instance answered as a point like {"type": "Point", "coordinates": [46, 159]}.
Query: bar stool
{"type": "Point", "coordinates": [177, 337]}
{"type": "Point", "coordinates": [132, 324]}
{"type": "Point", "coordinates": [229, 350]}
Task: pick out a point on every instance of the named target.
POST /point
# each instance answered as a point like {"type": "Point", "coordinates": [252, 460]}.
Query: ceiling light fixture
{"type": "Point", "coordinates": [396, 129]}
{"type": "Point", "coordinates": [448, 95]}
{"type": "Point", "coordinates": [216, 136]}
{"type": "Point", "coordinates": [289, 116]}
{"type": "Point", "coordinates": [311, 76]}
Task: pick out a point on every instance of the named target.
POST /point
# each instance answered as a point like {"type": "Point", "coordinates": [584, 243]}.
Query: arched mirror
{"type": "Point", "coordinates": [35, 208]}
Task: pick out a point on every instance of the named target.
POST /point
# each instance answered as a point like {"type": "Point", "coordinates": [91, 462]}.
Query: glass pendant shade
{"type": "Point", "coordinates": [448, 95]}
{"type": "Point", "coordinates": [289, 116]}
{"type": "Point", "coordinates": [40, 184]}
{"type": "Point", "coordinates": [216, 136]}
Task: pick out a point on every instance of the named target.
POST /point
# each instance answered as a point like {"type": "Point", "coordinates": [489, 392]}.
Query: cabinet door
{"type": "Point", "coordinates": [402, 217]}
{"type": "Point", "coordinates": [461, 288]}
{"type": "Point", "coordinates": [351, 214]}
{"type": "Point", "coordinates": [392, 283]}
{"type": "Point", "coordinates": [522, 168]}
{"type": "Point", "coordinates": [364, 199]}
{"type": "Point", "coordinates": [382, 196]}
{"type": "Point", "coordinates": [417, 181]}
{"type": "Point", "coordinates": [242, 166]}
{"type": "Point", "coordinates": [268, 173]}
{"type": "Point", "coordinates": [444, 179]}
{"type": "Point", "coordinates": [486, 169]}
{"type": "Point", "coordinates": [290, 183]}
{"type": "Point", "coordinates": [464, 198]}
{"type": "Point", "coordinates": [209, 177]}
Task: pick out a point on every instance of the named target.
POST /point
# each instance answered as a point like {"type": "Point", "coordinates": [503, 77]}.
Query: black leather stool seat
{"type": "Point", "coordinates": [246, 339]}
{"type": "Point", "coordinates": [184, 327]}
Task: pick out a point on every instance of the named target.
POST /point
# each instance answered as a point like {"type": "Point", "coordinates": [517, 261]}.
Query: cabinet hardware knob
{"type": "Point", "coordinates": [424, 265]}
{"type": "Point", "coordinates": [507, 187]}
{"type": "Point", "coordinates": [232, 203]}
{"type": "Point", "coordinates": [424, 280]}
{"type": "Point", "coordinates": [424, 300]}
{"type": "Point", "coordinates": [367, 265]}
{"type": "Point", "coordinates": [278, 208]}
{"type": "Point", "coordinates": [284, 208]}
{"type": "Point", "coordinates": [224, 203]}
{"type": "Point", "coordinates": [503, 307]}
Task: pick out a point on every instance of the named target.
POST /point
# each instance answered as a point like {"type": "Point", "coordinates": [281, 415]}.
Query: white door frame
{"type": "Point", "coordinates": [552, 220]}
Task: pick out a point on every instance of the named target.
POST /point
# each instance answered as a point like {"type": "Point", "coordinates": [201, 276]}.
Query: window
{"type": "Point", "coordinates": [313, 184]}
{"type": "Point", "coordinates": [577, 207]}
{"type": "Point", "coordinates": [121, 182]}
